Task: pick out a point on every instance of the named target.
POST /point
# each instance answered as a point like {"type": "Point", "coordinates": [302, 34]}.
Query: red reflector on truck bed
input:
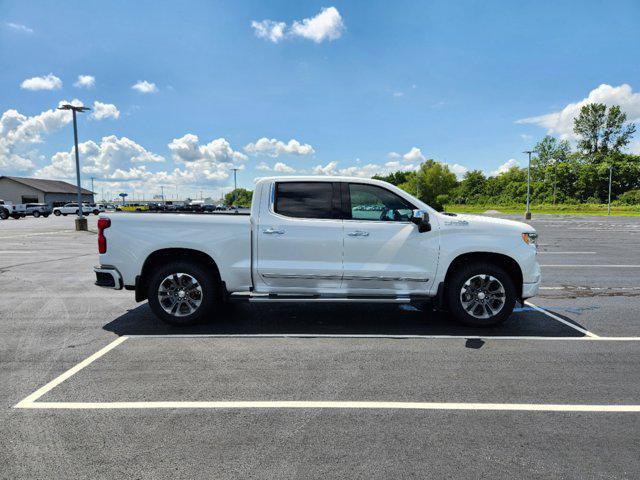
{"type": "Point", "coordinates": [103, 223]}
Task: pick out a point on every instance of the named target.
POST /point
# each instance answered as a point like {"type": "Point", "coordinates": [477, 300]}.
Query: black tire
{"type": "Point", "coordinates": [36, 214]}
{"type": "Point", "coordinates": [16, 217]}
{"type": "Point", "coordinates": [45, 215]}
{"type": "Point", "coordinates": [209, 285]}
{"type": "Point", "coordinates": [96, 212]}
{"type": "Point", "coordinates": [64, 214]}
{"type": "Point", "coordinates": [4, 214]}
{"type": "Point", "coordinates": [77, 212]}
{"type": "Point", "coordinates": [57, 213]}
{"type": "Point", "coordinates": [454, 294]}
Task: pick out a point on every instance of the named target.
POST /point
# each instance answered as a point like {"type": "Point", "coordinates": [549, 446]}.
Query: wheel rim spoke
{"type": "Point", "coordinates": [180, 294]}
{"type": "Point", "coordinates": [482, 296]}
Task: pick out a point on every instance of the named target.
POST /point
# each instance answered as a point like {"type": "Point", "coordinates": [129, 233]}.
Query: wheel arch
{"type": "Point", "coordinates": [506, 262]}
{"type": "Point", "coordinates": [165, 255]}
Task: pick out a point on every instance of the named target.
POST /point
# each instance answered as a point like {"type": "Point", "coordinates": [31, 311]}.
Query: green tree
{"type": "Point", "coordinates": [548, 151]}
{"type": "Point", "coordinates": [240, 197]}
{"type": "Point", "coordinates": [395, 178]}
{"type": "Point", "coordinates": [471, 187]}
{"type": "Point", "coordinates": [602, 130]}
{"type": "Point", "coordinates": [429, 181]}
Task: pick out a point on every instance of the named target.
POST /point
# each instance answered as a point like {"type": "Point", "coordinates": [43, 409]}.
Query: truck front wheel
{"type": "Point", "coordinates": [481, 295]}
{"type": "Point", "coordinates": [182, 293]}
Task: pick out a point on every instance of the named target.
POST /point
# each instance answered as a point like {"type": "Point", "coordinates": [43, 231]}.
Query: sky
{"type": "Point", "coordinates": [183, 92]}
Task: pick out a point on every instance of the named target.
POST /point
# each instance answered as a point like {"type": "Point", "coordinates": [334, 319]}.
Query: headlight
{"type": "Point", "coordinates": [530, 238]}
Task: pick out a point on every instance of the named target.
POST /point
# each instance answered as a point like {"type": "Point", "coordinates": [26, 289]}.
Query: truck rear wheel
{"type": "Point", "coordinates": [481, 295]}
{"type": "Point", "coordinates": [182, 293]}
{"type": "Point", "coordinates": [36, 214]}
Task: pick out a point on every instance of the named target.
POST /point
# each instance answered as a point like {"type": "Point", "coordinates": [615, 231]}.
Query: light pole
{"type": "Point", "coordinates": [610, 175]}
{"type": "Point", "coordinates": [235, 184]}
{"type": "Point", "coordinates": [162, 190]}
{"type": "Point", "coordinates": [81, 222]}
{"type": "Point", "coordinates": [555, 179]}
{"type": "Point", "coordinates": [527, 214]}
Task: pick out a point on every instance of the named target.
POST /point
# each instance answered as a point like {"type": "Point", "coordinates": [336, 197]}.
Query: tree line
{"type": "Point", "coordinates": [559, 173]}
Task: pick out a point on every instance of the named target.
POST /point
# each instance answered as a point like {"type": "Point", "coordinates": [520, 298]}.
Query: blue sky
{"type": "Point", "coordinates": [360, 87]}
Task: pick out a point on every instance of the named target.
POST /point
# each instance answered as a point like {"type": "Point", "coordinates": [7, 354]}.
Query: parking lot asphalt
{"type": "Point", "coordinates": [407, 375]}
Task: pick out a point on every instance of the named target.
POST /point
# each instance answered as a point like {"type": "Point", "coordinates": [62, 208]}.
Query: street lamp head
{"type": "Point", "coordinates": [68, 106]}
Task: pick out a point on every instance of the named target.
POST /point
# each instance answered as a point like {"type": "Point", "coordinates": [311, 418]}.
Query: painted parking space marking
{"type": "Point", "coordinates": [562, 320]}
{"type": "Point", "coordinates": [590, 266]}
{"type": "Point", "coordinates": [69, 373]}
{"type": "Point", "coordinates": [289, 404]}
{"type": "Point", "coordinates": [566, 253]}
{"type": "Point", "coordinates": [31, 401]}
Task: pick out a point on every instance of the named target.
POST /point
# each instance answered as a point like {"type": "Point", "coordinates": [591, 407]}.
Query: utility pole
{"type": "Point", "coordinates": [555, 179]}
{"type": "Point", "coordinates": [162, 190]}
{"type": "Point", "coordinates": [610, 175]}
{"type": "Point", "coordinates": [235, 185]}
{"type": "Point", "coordinates": [92, 184]}
{"type": "Point", "coordinates": [81, 222]}
{"type": "Point", "coordinates": [527, 214]}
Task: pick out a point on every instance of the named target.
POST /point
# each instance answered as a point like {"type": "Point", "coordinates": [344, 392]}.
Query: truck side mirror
{"type": "Point", "coordinates": [421, 219]}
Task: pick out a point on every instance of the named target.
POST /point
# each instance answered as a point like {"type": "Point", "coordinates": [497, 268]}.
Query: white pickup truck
{"type": "Point", "coordinates": [13, 210]}
{"type": "Point", "coordinates": [321, 239]}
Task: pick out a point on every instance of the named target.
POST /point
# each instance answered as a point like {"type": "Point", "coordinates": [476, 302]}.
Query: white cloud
{"type": "Point", "coordinates": [398, 94]}
{"type": "Point", "coordinates": [113, 158]}
{"type": "Point", "coordinates": [269, 30]}
{"type": "Point", "coordinates": [187, 149]}
{"type": "Point", "coordinates": [362, 171]}
{"type": "Point", "coordinates": [143, 86]}
{"type": "Point", "coordinates": [85, 81]}
{"type": "Point", "coordinates": [414, 155]}
{"type": "Point", "coordinates": [505, 167]}
{"type": "Point", "coordinates": [263, 167]}
{"type": "Point", "coordinates": [279, 167]}
{"type": "Point", "coordinates": [104, 110]}
{"type": "Point", "coordinates": [18, 27]}
{"type": "Point", "coordinates": [275, 148]}
{"type": "Point", "coordinates": [283, 168]}
{"type": "Point", "coordinates": [458, 169]}
{"type": "Point", "coordinates": [48, 82]}
{"type": "Point", "coordinates": [561, 122]}
{"type": "Point", "coordinates": [19, 134]}
{"type": "Point", "coordinates": [328, 169]}
{"type": "Point", "coordinates": [326, 25]}
{"type": "Point", "coordinates": [634, 147]}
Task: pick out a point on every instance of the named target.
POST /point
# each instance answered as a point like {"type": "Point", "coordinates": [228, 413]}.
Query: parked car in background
{"type": "Point", "coordinates": [13, 210]}
{"type": "Point", "coordinates": [38, 209]}
{"type": "Point", "coordinates": [308, 239]}
{"type": "Point", "coordinates": [72, 208]}
{"type": "Point", "coordinates": [97, 208]}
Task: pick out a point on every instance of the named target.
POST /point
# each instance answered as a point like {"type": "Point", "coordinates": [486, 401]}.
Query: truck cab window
{"type": "Point", "coordinates": [304, 199]}
{"type": "Point", "coordinates": [370, 202]}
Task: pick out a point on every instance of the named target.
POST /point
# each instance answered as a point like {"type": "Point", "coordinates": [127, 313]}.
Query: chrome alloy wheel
{"type": "Point", "coordinates": [482, 296]}
{"type": "Point", "coordinates": [179, 294]}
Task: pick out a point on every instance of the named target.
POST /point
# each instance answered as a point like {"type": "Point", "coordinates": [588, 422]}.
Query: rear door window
{"type": "Point", "coordinates": [305, 199]}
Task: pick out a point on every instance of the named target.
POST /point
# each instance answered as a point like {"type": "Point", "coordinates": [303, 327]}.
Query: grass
{"type": "Point", "coordinates": [579, 209]}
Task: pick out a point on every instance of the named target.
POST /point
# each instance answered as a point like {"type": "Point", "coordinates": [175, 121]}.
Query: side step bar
{"type": "Point", "coordinates": [263, 297]}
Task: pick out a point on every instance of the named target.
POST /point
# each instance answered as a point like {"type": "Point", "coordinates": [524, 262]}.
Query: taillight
{"type": "Point", "coordinates": [103, 223]}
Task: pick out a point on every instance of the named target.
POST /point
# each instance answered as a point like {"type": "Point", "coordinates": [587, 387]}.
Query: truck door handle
{"type": "Point", "coordinates": [272, 231]}
{"type": "Point", "coordinates": [358, 233]}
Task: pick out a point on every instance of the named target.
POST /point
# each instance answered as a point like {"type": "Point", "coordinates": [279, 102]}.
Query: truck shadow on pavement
{"type": "Point", "coordinates": [342, 319]}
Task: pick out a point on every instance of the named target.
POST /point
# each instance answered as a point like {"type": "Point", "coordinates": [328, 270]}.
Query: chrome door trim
{"type": "Point", "coordinates": [346, 277]}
